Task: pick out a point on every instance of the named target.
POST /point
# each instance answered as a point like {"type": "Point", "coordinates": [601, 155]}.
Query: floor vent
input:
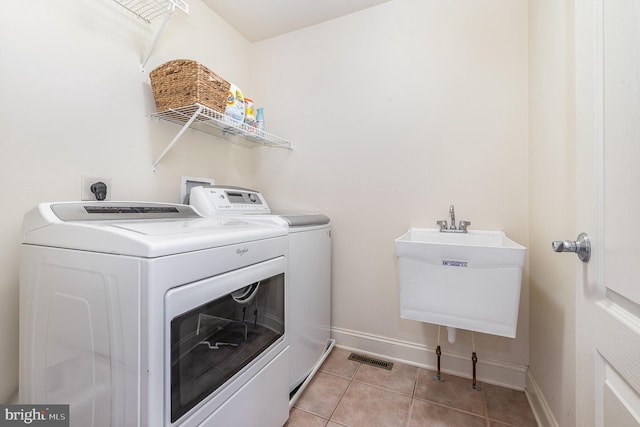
{"type": "Point", "coordinates": [371, 361]}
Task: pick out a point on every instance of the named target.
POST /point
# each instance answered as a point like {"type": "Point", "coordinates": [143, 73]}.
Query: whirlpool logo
{"type": "Point", "coordinates": [454, 263]}
{"type": "Point", "coordinates": [34, 415]}
{"type": "Point", "coordinates": [242, 251]}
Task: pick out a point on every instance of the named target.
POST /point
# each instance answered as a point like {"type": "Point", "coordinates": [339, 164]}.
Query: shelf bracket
{"type": "Point", "coordinates": [148, 10]}
{"type": "Point", "coordinates": [152, 46]}
{"type": "Point", "coordinates": [177, 137]}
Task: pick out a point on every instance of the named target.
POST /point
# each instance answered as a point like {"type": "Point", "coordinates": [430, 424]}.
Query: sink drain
{"type": "Point", "coordinates": [371, 361]}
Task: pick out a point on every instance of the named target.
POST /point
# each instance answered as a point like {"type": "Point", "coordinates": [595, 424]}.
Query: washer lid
{"type": "Point", "coordinates": [304, 220]}
{"type": "Point", "coordinates": [122, 228]}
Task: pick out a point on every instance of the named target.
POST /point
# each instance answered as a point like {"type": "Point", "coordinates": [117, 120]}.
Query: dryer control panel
{"type": "Point", "coordinates": [220, 199]}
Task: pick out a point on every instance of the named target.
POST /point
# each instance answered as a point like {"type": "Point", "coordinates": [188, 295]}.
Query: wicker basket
{"type": "Point", "coordinates": [183, 82]}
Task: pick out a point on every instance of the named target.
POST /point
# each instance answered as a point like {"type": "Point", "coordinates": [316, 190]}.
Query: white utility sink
{"type": "Point", "coordinates": [466, 280]}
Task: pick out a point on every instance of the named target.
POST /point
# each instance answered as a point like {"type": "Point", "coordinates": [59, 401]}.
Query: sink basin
{"type": "Point", "coordinates": [461, 280]}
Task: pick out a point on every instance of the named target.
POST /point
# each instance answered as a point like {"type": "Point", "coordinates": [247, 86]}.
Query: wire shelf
{"type": "Point", "coordinates": [206, 120]}
{"type": "Point", "coordinates": [212, 122]}
{"type": "Point", "coordinates": [148, 10]}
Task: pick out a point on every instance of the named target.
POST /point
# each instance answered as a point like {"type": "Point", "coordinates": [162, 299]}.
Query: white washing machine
{"type": "Point", "coordinates": [308, 272]}
{"type": "Point", "coordinates": [147, 314]}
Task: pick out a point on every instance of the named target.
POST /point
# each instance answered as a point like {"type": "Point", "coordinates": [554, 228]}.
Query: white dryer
{"type": "Point", "coordinates": [147, 314]}
{"type": "Point", "coordinates": [308, 272]}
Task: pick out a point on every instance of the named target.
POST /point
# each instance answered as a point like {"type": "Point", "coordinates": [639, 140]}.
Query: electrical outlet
{"type": "Point", "coordinates": [88, 181]}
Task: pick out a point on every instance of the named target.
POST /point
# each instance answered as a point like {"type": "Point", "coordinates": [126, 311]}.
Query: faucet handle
{"type": "Point", "coordinates": [464, 225]}
{"type": "Point", "coordinates": [442, 224]}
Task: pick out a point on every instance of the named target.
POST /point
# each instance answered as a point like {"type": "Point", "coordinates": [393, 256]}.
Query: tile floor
{"type": "Point", "coordinates": [353, 394]}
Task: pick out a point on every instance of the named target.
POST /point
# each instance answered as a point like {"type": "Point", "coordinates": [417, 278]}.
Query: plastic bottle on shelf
{"type": "Point", "coordinates": [235, 104]}
{"type": "Point", "coordinates": [249, 117]}
{"type": "Point", "coordinates": [260, 118]}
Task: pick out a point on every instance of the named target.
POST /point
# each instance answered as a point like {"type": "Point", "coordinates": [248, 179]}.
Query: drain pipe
{"type": "Point", "coordinates": [451, 334]}
{"type": "Point", "coordinates": [438, 377]}
{"type": "Point", "coordinates": [474, 360]}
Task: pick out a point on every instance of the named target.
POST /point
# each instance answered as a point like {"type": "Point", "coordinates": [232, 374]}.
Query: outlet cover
{"type": "Point", "coordinates": [88, 181]}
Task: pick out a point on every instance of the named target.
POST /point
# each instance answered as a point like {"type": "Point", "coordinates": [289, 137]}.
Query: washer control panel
{"type": "Point", "coordinates": [219, 199]}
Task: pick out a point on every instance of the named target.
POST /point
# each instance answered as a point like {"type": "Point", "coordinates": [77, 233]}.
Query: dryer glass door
{"type": "Point", "coordinates": [214, 341]}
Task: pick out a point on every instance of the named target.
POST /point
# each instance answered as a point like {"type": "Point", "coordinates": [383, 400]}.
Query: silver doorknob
{"type": "Point", "coordinates": [581, 246]}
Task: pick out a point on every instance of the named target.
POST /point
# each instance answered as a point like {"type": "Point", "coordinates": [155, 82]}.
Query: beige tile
{"type": "Point", "coordinates": [368, 406]}
{"type": "Point", "coordinates": [424, 413]}
{"type": "Point", "coordinates": [300, 418]}
{"type": "Point", "coordinates": [338, 363]}
{"type": "Point", "coordinates": [508, 406]}
{"type": "Point", "coordinates": [322, 394]}
{"type": "Point", "coordinates": [401, 378]}
{"type": "Point", "coordinates": [352, 394]}
{"type": "Point", "coordinates": [453, 391]}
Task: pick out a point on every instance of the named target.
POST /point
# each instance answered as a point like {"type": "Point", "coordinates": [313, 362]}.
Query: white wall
{"type": "Point", "coordinates": [552, 207]}
{"type": "Point", "coordinates": [73, 103]}
{"type": "Point", "coordinates": [397, 112]}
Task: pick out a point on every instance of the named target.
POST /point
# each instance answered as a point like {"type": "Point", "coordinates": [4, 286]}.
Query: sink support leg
{"type": "Point", "coordinates": [474, 360]}
{"type": "Point", "coordinates": [438, 377]}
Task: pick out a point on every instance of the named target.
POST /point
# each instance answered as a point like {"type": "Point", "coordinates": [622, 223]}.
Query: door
{"type": "Point", "coordinates": [218, 327]}
{"type": "Point", "coordinates": [608, 204]}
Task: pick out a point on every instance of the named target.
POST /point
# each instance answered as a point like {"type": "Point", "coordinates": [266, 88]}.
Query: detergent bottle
{"type": "Point", "coordinates": [235, 104]}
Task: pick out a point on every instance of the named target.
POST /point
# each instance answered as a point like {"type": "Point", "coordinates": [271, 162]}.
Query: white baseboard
{"type": "Point", "coordinates": [489, 371]}
{"type": "Point", "coordinates": [539, 404]}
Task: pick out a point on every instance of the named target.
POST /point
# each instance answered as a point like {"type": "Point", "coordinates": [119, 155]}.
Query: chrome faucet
{"type": "Point", "coordinates": [452, 213]}
{"type": "Point", "coordinates": [462, 227]}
